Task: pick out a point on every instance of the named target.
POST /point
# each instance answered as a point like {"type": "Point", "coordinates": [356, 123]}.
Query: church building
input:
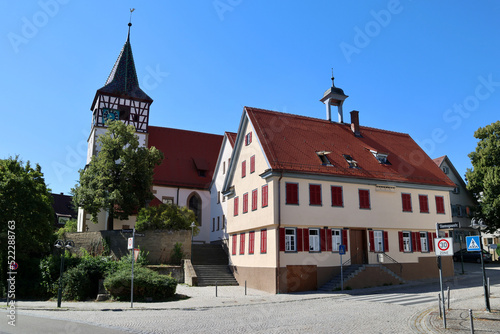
{"type": "Point", "coordinates": [185, 174]}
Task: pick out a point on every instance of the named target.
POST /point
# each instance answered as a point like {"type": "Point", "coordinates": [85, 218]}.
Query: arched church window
{"type": "Point", "coordinates": [194, 203]}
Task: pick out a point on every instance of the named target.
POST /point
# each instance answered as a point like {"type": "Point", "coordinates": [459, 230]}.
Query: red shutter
{"type": "Point", "coordinates": [414, 241]}
{"type": "Point", "coordinates": [401, 243]}
{"type": "Point", "coordinates": [446, 234]}
{"type": "Point", "coordinates": [323, 240]}
{"type": "Point", "coordinates": [372, 241]}
{"type": "Point", "coordinates": [282, 239]}
{"type": "Point", "coordinates": [344, 239]}
{"type": "Point", "coordinates": [234, 244]}
{"type": "Point", "coordinates": [417, 242]}
{"type": "Point", "coordinates": [243, 168]}
{"type": "Point", "coordinates": [264, 195]}
{"type": "Point", "coordinates": [252, 164]}
{"type": "Point", "coordinates": [386, 241]}
{"type": "Point", "coordinates": [328, 240]}
{"type": "Point", "coordinates": [306, 240]}
{"type": "Point", "coordinates": [299, 240]}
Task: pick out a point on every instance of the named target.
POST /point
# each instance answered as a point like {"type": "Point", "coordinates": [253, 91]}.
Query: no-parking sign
{"type": "Point", "coordinates": [443, 246]}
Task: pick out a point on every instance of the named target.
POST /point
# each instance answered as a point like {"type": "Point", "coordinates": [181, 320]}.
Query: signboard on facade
{"type": "Point", "coordinates": [443, 246]}
{"type": "Point", "coordinates": [446, 226]}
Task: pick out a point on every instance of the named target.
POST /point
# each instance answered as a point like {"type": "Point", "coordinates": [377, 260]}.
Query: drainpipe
{"type": "Point", "coordinates": [177, 199]}
{"type": "Point", "coordinates": [278, 236]}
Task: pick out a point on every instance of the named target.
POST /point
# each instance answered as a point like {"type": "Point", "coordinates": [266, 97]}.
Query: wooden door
{"type": "Point", "coordinates": [358, 246]}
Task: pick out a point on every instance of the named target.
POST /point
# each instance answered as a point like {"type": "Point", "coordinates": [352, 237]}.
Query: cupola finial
{"type": "Point", "coordinates": [130, 20]}
{"type": "Point", "coordinates": [332, 78]}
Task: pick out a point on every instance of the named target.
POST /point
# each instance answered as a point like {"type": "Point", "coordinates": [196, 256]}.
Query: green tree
{"type": "Point", "coordinates": [26, 215]}
{"type": "Point", "coordinates": [165, 217]}
{"type": "Point", "coordinates": [119, 178]}
{"type": "Point", "coordinates": [483, 180]}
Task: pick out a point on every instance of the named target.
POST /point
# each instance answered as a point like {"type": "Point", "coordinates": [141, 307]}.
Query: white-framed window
{"type": "Point", "coordinates": [378, 239]}
{"type": "Point", "coordinates": [336, 239]}
{"type": "Point", "coordinates": [290, 240]}
{"type": "Point", "coordinates": [314, 240]}
{"type": "Point", "coordinates": [424, 242]}
{"type": "Point", "coordinates": [406, 241]}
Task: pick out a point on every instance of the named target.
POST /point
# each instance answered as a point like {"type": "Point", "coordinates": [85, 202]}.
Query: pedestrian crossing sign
{"type": "Point", "coordinates": [473, 243]}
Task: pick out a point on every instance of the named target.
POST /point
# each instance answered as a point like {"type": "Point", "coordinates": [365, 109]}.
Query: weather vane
{"type": "Point", "coordinates": [130, 20]}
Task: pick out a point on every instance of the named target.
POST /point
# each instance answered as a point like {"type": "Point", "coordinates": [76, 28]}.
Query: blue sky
{"type": "Point", "coordinates": [429, 69]}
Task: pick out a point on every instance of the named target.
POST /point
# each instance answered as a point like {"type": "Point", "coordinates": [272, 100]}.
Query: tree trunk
{"type": "Point", "coordinates": [110, 219]}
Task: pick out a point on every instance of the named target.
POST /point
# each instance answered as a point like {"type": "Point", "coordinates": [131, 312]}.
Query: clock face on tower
{"type": "Point", "coordinates": [110, 115]}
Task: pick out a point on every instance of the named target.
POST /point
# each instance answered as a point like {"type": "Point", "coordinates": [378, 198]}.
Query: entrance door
{"type": "Point", "coordinates": [358, 246]}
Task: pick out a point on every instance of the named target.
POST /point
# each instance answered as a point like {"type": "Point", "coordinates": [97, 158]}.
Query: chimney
{"type": "Point", "coordinates": [355, 123]}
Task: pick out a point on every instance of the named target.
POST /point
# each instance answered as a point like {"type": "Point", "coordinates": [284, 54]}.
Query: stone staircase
{"type": "Point", "coordinates": [211, 264]}
{"type": "Point", "coordinates": [364, 273]}
{"type": "Point", "coordinates": [348, 272]}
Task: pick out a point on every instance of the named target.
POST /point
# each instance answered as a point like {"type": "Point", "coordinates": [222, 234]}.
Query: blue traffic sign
{"type": "Point", "coordinates": [342, 249]}
{"type": "Point", "coordinates": [472, 243]}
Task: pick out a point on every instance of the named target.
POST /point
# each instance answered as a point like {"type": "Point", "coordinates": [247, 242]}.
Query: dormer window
{"type": "Point", "coordinates": [352, 163]}
{"type": "Point", "coordinates": [381, 157]}
{"type": "Point", "coordinates": [323, 157]}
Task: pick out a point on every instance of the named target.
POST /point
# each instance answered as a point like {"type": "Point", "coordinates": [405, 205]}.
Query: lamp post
{"type": "Point", "coordinates": [479, 224]}
{"type": "Point", "coordinates": [192, 232]}
{"type": "Point", "coordinates": [62, 245]}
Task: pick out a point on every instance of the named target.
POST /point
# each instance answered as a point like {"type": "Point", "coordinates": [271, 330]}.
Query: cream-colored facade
{"type": "Point", "coordinates": [385, 214]}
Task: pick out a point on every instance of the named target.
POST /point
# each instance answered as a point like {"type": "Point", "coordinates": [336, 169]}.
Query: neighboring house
{"type": "Point", "coordinates": [63, 209]}
{"type": "Point", "coordinates": [184, 175]}
{"type": "Point", "coordinates": [298, 188]}
{"type": "Point", "coordinates": [461, 202]}
{"type": "Point", "coordinates": [218, 204]}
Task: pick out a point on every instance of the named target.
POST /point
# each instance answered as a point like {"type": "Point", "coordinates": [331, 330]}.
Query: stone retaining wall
{"type": "Point", "coordinates": [158, 243]}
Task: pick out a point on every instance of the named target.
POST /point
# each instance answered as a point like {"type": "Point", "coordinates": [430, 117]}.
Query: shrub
{"type": "Point", "coordinates": [70, 226]}
{"type": "Point", "coordinates": [147, 284]}
{"type": "Point", "coordinates": [76, 284]}
{"type": "Point", "coordinates": [177, 254]}
{"type": "Point", "coordinates": [50, 268]}
{"type": "Point", "coordinates": [166, 217]}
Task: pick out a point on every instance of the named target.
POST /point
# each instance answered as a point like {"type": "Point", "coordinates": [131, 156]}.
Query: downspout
{"type": "Point", "coordinates": [177, 199]}
{"type": "Point", "coordinates": [278, 236]}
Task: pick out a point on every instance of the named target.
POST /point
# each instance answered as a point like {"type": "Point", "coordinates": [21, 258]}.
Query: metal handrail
{"type": "Point", "coordinates": [394, 261]}
{"type": "Point", "coordinates": [349, 262]}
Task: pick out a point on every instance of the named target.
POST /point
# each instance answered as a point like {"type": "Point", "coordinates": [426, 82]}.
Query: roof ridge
{"type": "Point", "coordinates": [192, 131]}
{"type": "Point", "coordinates": [320, 120]}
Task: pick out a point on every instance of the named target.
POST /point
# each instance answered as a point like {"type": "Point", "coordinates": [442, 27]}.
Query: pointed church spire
{"type": "Point", "coordinates": [122, 80]}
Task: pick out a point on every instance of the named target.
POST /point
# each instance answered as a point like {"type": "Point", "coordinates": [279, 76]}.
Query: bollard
{"type": "Point", "coordinates": [448, 298]}
{"type": "Point", "coordinates": [489, 291]}
{"type": "Point", "coordinates": [245, 287]}
{"type": "Point", "coordinates": [215, 288]}
{"type": "Point", "coordinates": [471, 322]}
{"type": "Point", "coordinates": [439, 302]}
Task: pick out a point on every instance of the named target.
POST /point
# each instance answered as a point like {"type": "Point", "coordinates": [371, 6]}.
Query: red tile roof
{"type": "Point", "coordinates": [186, 154]}
{"type": "Point", "coordinates": [291, 142]}
{"type": "Point", "coordinates": [231, 136]}
{"type": "Point", "coordinates": [439, 161]}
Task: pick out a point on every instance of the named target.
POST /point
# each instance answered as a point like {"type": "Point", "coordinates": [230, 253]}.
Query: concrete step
{"type": "Point", "coordinates": [210, 275]}
{"type": "Point", "coordinates": [211, 254]}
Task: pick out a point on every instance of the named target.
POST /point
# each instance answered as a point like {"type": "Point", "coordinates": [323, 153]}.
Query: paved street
{"type": "Point", "coordinates": [398, 309]}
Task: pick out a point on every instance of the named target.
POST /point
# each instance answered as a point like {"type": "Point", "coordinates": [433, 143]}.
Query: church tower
{"type": "Point", "coordinates": [120, 98]}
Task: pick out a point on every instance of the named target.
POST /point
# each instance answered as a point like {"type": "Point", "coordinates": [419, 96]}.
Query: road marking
{"type": "Point", "coordinates": [399, 299]}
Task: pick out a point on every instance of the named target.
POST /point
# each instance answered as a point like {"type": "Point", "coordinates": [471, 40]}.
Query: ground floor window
{"type": "Point", "coordinates": [378, 238]}
{"type": "Point", "coordinates": [336, 239]}
{"type": "Point", "coordinates": [424, 242]}
{"type": "Point", "coordinates": [406, 241]}
{"type": "Point", "coordinates": [314, 240]}
{"type": "Point", "coordinates": [290, 241]}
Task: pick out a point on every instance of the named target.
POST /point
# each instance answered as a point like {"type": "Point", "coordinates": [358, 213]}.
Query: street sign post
{"type": "Point", "coordinates": [443, 246]}
{"type": "Point", "coordinates": [341, 252]}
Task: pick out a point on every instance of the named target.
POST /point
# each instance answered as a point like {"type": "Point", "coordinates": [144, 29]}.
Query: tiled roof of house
{"type": "Point", "coordinates": [63, 205]}
{"type": "Point", "coordinates": [190, 157]}
{"type": "Point", "coordinates": [291, 143]}
{"type": "Point", "coordinates": [231, 136]}
{"type": "Point", "coordinates": [439, 161]}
